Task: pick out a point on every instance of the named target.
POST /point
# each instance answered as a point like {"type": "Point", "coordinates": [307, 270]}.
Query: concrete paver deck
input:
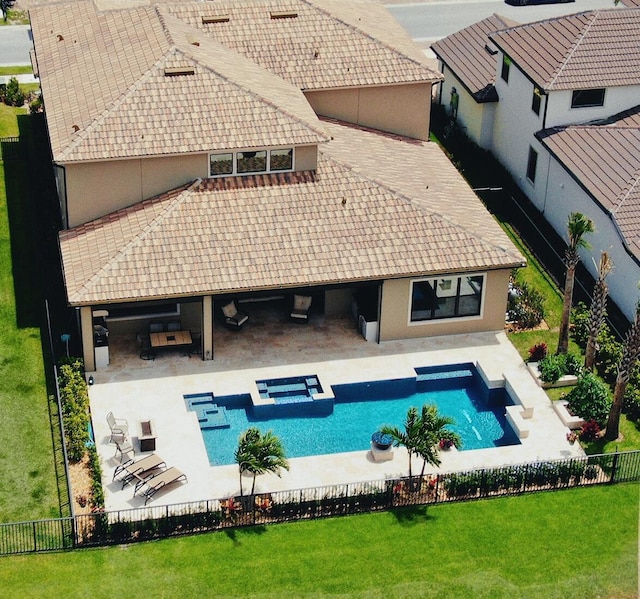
{"type": "Point", "coordinates": [331, 348]}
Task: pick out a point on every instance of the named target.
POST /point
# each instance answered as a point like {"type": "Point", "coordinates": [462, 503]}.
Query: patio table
{"type": "Point", "coordinates": [170, 339]}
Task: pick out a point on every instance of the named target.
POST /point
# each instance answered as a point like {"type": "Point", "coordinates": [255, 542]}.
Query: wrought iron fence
{"type": "Point", "coordinates": [154, 522]}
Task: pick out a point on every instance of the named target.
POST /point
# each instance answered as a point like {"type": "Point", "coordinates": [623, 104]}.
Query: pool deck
{"type": "Point", "coordinates": [138, 391]}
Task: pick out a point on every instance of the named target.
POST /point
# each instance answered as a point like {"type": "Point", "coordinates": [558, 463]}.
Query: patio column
{"type": "Point", "coordinates": [86, 333]}
{"type": "Point", "coordinates": [207, 327]}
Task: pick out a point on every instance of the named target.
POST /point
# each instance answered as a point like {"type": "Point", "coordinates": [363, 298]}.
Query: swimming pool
{"type": "Point", "coordinates": [360, 409]}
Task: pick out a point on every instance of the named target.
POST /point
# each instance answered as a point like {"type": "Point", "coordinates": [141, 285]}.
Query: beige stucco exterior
{"type": "Point", "coordinates": [402, 109]}
{"type": "Point", "coordinates": [94, 189]}
{"type": "Point", "coordinates": [396, 301]}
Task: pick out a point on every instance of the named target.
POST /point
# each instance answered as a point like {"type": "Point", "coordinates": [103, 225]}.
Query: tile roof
{"type": "Point", "coordinates": [105, 84]}
{"type": "Point", "coordinates": [328, 44]}
{"type": "Point", "coordinates": [358, 217]}
{"type": "Point", "coordinates": [599, 48]}
{"type": "Point", "coordinates": [612, 174]}
{"type": "Point", "coordinates": [471, 56]}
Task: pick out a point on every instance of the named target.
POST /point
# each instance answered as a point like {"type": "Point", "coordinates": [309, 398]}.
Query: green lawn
{"type": "Point", "coordinates": [581, 544]}
{"type": "Point", "coordinates": [28, 488]}
{"type": "Point", "coordinates": [16, 70]}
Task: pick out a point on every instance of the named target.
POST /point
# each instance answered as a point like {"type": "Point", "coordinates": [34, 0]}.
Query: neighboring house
{"type": "Point", "coordinates": [243, 150]}
{"type": "Point", "coordinates": [564, 125]}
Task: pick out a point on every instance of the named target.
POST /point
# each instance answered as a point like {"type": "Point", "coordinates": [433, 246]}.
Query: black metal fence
{"type": "Point", "coordinates": [154, 522]}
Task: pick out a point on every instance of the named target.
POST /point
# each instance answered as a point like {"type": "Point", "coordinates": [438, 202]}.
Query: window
{"type": "Point", "coordinates": [506, 63]}
{"type": "Point", "coordinates": [537, 98]}
{"type": "Point", "coordinates": [251, 161]}
{"type": "Point", "coordinates": [281, 160]}
{"type": "Point", "coordinates": [449, 297]}
{"type": "Point", "coordinates": [221, 164]}
{"type": "Point", "coordinates": [583, 98]}
{"type": "Point", "coordinates": [531, 165]}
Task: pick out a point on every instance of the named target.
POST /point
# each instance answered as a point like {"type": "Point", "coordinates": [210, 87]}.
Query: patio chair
{"type": "Point", "coordinates": [144, 346]}
{"type": "Point", "coordinates": [119, 427]}
{"type": "Point", "coordinates": [124, 448]}
{"type": "Point", "coordinates": [138, 470]}
{"type": "Point", "coordinates": [174, 325]}
{"type": "Point", "coordinates": [156, 327]}
{"type": "Point", "coordinates": [150, 486]}
{"type": "Point", "coordinates": [301, 306]}
{"type": "Point", "coordinates": [232, 317]}
{"type": "Point", "coordinates": [196, 344]}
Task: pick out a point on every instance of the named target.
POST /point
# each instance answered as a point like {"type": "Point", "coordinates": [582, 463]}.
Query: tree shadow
{"type": "Point", "coordinates": [412, 515]}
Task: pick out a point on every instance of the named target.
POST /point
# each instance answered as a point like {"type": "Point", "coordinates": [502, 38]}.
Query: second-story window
{"type": "Point", "coordinates": [506, 63]}
{"type": "Point", "coordinates": [536, 101]}
{"type": "Point", "coordinates": [250, 162]}
{"type": "Point", "coordinates": [584, 98]}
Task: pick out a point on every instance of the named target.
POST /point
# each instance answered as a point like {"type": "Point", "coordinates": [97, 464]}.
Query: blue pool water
{"type": "Point", "coordinates": [361, 409]}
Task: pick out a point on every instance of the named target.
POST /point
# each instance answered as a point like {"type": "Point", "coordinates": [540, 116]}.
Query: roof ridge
{"type": "Point", "coordinates": [412, 201]}
{"type": "Point", "coordinates": [635, 183]}
{"type": "Point", "coordinates": [366, 34]}
{"type": "Point", "coordinates": [576, 44]}
{"type": "Point", "coordinates": [181, 192]}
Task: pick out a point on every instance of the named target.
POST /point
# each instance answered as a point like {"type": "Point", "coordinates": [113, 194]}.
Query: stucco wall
{"type": "Point", "coordinates": [563, 196]}
{"type": "Point", "coordinates": [402, 109]}
{"type": "Point", "coordinates": [98, 188]}
{"type": "Point", "coordinates": [338, 301]}
{"type": "Point", "coordinates": [396, 303]}
{"type": "Point", "coordinates": [306, 158]}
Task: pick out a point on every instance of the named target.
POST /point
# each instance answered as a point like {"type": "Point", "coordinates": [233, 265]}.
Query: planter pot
{"type": "Point", "coordinates": [564, 381]}
{"type": "Point", "coordinates": [570, 421]}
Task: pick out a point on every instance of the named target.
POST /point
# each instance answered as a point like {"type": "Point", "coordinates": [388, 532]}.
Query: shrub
{"type": "Point", "coordinates": [525, 306]}
{"type": "Point", "coordinates": [74, 399]}
{"type": "Point", "coordinates": [589, 431]}
{"type": "Point", "coordinates": [580, 324]}
{"type": "Point", "coordinates": [609, 355]}
{"type": "Point", "coordinates": [551, 368]}
{"type": "Point", "coordinates": [572, 365]}
{"type": "Point", "coordinates": [632, 403]}
{"type": "Point", "coordinates": [12, 94]}
{"type": "Point", "coordinates": [538, 352]}
{"type": "Point", "coordinates": [590, 399]}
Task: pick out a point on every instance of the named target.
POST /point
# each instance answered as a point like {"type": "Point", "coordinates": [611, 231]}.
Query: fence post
{"type": "Point", "coordinates": [614, 467]}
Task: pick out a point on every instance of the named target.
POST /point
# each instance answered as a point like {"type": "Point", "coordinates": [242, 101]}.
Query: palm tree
{"type": "Point", "coordinates": [434, 429]}
{"type": "Point", "coordinates": [598, 309]}
{"type": "Point", "coordinates": [628, 361]}
{"type": "Point", "coordinates": [259, 453]}
{"type": "Point", "coordinates": [421, 435]}
{"type": "Point", "coordinates": [578, 226]}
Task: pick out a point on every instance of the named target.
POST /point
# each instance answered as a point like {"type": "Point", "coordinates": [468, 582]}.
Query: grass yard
{"type": "Point", "coordinates": [28, 488]}
{"type": "Point", "coordinates": [16, 70]}
{"type": "Point", "coordinates": [581, 544]}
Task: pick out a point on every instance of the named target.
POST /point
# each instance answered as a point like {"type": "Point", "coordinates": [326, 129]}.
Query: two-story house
{"type": "Point", "coordinates": [562, 121]}
{"type": "Point", "coordinates": [233, 150]}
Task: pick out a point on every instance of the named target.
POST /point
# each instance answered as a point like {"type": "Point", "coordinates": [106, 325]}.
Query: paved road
{"type": "Point", "coordinates": [15, 44]}
{"type": "Point", "coordinates": [429, 21]}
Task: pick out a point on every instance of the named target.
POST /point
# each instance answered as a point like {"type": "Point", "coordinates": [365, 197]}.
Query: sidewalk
{"type": "Point", "coordinates": [25, 78]}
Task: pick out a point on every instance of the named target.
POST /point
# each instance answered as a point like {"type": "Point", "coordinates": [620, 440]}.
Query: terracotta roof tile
{"type": "Point", "coordinates": [344, 222]}
{"type": "Point", "coordinates": [599, 48]}
{"type": "Point", "coordinates": [471, 56]}
{"type": "Point", "coordinates": [123, 104]}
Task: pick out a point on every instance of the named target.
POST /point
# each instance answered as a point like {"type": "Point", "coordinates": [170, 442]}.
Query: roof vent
{"type": "Point", "coordinates": [284, 14]}
{"type": "Point", "coordinates": [206, 19]}
{"type": "Point", "coordinates": [491, 49]}
{"type": "Point", "coordinates": [60, 38]}
{"type": "Point", "coordinates": [75, 128]}
{"type": "Point", "coordinates": [192, 39]}
{"type": "Point", "coordinates": [176, 71]}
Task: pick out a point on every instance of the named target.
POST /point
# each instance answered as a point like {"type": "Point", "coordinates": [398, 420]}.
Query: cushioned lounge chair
{"type": "Point", "coordinates": [232, 317]}
{"type": "Point", "coordinates": [150, 486]}
{"type": "Point", "coordinates": [301, 306]}
{"type": "Point", "coordinates": [119, 427]}
{"type": "Point", "coordinates": [138, 470]}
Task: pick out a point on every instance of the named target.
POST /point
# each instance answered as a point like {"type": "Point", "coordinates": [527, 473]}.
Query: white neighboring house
{"type": "Point", "coordinates": [564, 122]}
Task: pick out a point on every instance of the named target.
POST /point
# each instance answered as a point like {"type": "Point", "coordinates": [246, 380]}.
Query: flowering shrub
{"type": "Point", "coordinates": [572, 437]}
{"type": "Point", "coordinates": [590, 431]}
{"type": "Point", "coordinates": [538, 352]}
{"type": "Point", "coordinates": [445, 444]}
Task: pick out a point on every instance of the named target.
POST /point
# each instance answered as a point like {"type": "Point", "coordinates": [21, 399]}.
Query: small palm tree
{"type": "Point", "coordinates": [259, 453]}
{"type": "Point", "coordinates": [578, 226]}
{"type": "Point", "coordinates": [630, 355]}
{"type": "Point", "coordinates": [598, 309]}
{"type": "Point", "coordinates": [421, 435]}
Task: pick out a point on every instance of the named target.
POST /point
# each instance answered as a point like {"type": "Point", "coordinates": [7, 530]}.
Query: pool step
{"type": "Point", "coordinates": [210, 415]}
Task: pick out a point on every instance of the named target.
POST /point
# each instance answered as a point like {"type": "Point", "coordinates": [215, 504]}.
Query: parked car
{"type": "Point", "coordinates": [527, 2]}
